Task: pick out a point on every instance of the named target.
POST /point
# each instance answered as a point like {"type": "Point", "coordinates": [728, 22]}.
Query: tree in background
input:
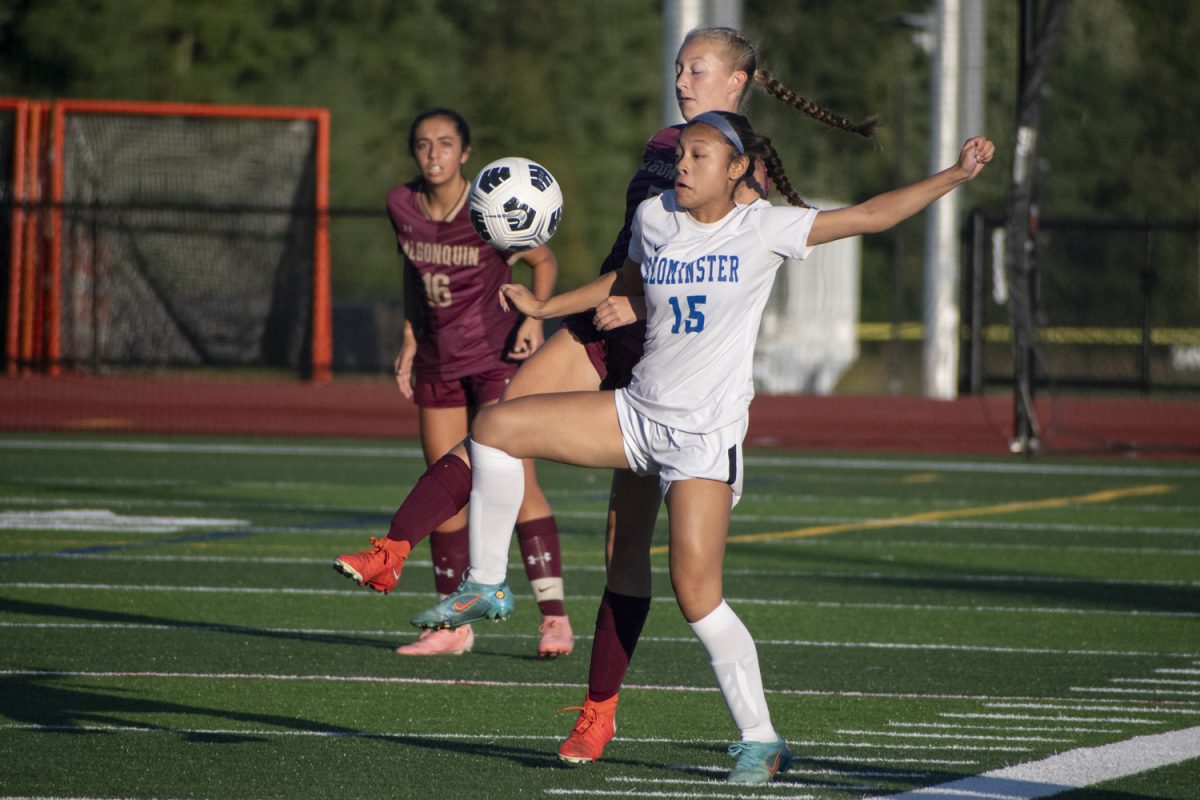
{"type": "Point", "coordinates": [576, 85]}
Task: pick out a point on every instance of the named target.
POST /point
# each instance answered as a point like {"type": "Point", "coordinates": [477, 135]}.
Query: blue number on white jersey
{"type": "Point", "coordinates": [694, 323]}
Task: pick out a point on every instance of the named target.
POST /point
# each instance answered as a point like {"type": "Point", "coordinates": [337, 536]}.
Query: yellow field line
{"type": "Point", "coordinates": [1106, 496]}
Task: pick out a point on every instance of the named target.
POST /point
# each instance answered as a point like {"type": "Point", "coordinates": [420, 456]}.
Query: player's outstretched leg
{"type": "Point", "coordinates": [594, 728]}
{"type": "Point", "coordinates": [471, 602]}
{"type": "Point", "coordinates": [378, 567]}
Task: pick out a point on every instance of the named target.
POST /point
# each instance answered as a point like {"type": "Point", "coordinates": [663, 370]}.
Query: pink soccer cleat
{"type": "Point", "coordinates": [441, 642]}
{"type": "Point", "coordinates": [557, 639]}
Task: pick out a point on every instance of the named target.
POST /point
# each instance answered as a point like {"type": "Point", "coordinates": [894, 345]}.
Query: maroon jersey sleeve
{"type": "Point", "coordinates": [461, 329]}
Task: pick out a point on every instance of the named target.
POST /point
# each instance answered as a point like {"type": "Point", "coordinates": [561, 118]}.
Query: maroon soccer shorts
{"type": "Point", "coordinates": [468, 391]}
{"type": "Point", "coordinates": [613, 353]}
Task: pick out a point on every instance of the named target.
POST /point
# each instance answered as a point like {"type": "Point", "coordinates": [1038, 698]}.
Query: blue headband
{"type": "Point", "coordinates": [720, 123]}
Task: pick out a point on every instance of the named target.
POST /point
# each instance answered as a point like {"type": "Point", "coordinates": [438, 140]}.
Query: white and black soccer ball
{"type": "Point", "coordinates": [515, 204]}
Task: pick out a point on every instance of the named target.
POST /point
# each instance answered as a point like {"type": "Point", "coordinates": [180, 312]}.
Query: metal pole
{"type": "Point", "coordinates": [975, 367]}
{"type": "Point", "coordinates": [940, 355]}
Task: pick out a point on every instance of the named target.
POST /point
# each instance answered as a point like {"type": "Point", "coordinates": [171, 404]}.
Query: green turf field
{"type": "Point", "coordinates": [170, 627]}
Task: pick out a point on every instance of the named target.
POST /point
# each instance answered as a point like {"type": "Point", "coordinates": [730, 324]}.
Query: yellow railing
{"type": "Point", "coordinates": [915, 331]}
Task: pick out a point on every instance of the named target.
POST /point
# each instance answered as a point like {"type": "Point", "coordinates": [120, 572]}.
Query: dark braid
{"type": "Point", "coordinates": [775, 169]}
{"type": "Point", "coordinates": [772, 86]}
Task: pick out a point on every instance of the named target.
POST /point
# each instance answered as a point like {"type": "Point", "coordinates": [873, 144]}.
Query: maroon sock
{"type": "Point", "coordinates": [538, 540]}
{"type": "Point", "coordinates": [618, 626]}
{"type": "Point", "coordinates": [440, 493]}
{"type": "Point", "coordinates": [451, 557]}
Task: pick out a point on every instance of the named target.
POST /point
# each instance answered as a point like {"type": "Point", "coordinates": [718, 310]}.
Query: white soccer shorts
{"type": "Point", "coordinates": [674, 455]}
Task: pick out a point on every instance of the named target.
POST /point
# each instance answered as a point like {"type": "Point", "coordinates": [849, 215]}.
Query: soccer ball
{"type": "Point", "coordinates": [515, 204]}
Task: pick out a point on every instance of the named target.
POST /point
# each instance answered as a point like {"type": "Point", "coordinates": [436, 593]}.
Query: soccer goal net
{"type": "Point", "coordinates": [186, 235]}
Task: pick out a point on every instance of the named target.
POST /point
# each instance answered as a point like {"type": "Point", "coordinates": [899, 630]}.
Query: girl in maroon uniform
{"type": "Point", "coordinates": [460, 350]}
{"type": "Point", "coordinates": [714, 68]}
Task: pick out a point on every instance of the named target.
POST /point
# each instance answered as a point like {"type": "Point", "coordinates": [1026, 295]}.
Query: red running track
{"type": "Point", "coordinates": [372, 408]}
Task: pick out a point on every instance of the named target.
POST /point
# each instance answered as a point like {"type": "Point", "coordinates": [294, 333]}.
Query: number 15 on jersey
{"type": "Point", "coordinates": [693, 320]}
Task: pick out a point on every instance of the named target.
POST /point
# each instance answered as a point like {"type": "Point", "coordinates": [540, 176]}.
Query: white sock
{"type": "Point", "coordinates": [734, 661]}
{"type": "Point", "coordinates": [497, 487]}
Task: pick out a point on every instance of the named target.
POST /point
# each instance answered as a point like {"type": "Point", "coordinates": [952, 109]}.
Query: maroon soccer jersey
{"type": "Point", "coordinates": [654, 176]}
{"type": "Point", "coordinates": [461, 329]}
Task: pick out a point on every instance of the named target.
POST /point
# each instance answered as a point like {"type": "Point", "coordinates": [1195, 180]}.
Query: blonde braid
{"type": "Point", "coordinates": [772, 86]}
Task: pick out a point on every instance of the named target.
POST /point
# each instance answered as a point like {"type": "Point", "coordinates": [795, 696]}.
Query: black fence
{"type": "Point", "coordinates": [1115, 306]}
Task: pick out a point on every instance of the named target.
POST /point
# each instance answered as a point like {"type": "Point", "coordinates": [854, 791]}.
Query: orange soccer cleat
{"type": "Point", "coordinates": [377, 568]}
{"type": "Point", "coordinates": [595, 727]}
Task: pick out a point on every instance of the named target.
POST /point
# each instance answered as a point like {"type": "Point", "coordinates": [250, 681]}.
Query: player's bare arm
{"type": "Point", "coordinates": [403, 363]}
{"type": "Point", "coordinates": [626, 302]}
{"type": "Point", "coordinates": [586, 297]}
{"type": "Point", "coordinates": [886, 210]}
{"type": "Point", "coordinates": [530, 334]}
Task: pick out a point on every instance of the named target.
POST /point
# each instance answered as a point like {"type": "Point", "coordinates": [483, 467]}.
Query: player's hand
{"type": "Point", "coordinates": [515, 295]}
{"type": "Point", "coordinates": [402, 366]}
{"type": "Point", "coordinates": [619, 310]}
{"type": "Point", "coordinates": [977, 152]}
{"type": "Point", "coordinates": [530, 337]}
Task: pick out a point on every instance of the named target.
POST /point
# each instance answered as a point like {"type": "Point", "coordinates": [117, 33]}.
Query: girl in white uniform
{"type": "Point", "coordinates": [705, 265]}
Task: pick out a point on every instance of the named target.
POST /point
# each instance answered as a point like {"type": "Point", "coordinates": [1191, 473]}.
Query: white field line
{"type": "Point", "coordinates": [950, 729]}
{"type": "Point", "coordinates": [108, 728]}
{"type": "Point", "coordinates": [1116, 690]}
{"type": "Point", "coordinates": [956, 736]}
{"type": "Point", "coordinates": [795, 499]}
{"type": "Point", "coordinates": [787, 781]}
{"type": "Point", "coordinates": [745, 601]}
{"type": "Point", "coordinates": [1169, 671]}
{"type": "Point", "coordinates": [787, 520]}
{"type": "Point", "coordinates": [1073, 769]}
{"type": "Point", "coordinates": [116, 446]}
{"type": "Point", "coordinates": [70, 797]}
{"type": "Point", "coordinates": [408, 634]}
{"type": "Point", "coordinates": [924, 762]}
{"type": "Point", "coordinates": [866, 464]}
{"type": "Point", "coordinates": [473, 682]}
{"type": "Point", "coordinates": [659, 795]}
{"type": "Point", "coordinates": [1117, 706]}
{"type": "Point", "coordinates": [885, 544]}
{"type": "Point", "coordinates": [1156, 681]}
{"type": "Point", "coordinates": [1056, 718]}
{"type": "Point", "coordinates": [598, 515]}
{"type": "Point", "coordinates": [989, 579]}
{"type": "Point", "coordinates": [102, 520]}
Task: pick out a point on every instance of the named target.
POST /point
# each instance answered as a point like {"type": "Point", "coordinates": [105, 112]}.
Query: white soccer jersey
{"type": "Point", "coordinates": [706, 287]}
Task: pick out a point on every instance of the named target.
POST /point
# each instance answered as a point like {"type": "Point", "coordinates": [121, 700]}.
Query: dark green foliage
{"type": "Point", "coordinates": [577, 86]}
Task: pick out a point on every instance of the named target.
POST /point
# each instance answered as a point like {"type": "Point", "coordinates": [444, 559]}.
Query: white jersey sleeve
{"type": "Point", "coordinates": [785, 230]}
{"type": "Point", "coordinates": [637, 250]}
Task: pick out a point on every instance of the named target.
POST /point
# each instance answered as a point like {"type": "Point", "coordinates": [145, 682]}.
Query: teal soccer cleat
{"type": "Point", "coordinates": [470, 602]}
{"type": "Point", "coordinates": [758, 762]}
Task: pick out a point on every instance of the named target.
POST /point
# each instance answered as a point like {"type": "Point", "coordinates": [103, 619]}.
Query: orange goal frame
{"type": "Point", "coordinates": [34, 146]}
